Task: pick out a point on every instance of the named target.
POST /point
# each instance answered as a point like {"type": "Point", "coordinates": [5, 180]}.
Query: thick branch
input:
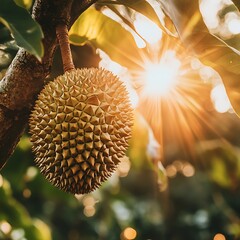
{"type": "Point", "coordinates": [25, 77]}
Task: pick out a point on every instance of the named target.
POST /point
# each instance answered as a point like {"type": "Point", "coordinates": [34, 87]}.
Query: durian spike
{"type": "Point", "coordinates": [62, 36]}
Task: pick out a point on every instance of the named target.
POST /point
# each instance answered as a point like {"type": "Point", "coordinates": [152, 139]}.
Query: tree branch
{"type": "Point", "coordinates": [25, 76]}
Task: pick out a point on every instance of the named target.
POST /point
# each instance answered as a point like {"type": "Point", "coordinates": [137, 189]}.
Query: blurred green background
{"type": "Point", "coordinates": [199, 202]}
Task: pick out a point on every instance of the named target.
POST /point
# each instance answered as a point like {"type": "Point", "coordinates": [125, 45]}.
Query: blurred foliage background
{"type": "Point", "coordinates": [181, 179]}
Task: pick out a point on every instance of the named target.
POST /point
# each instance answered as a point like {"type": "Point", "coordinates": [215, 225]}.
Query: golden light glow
{"type": "Point", "coordinates": [161, 77]}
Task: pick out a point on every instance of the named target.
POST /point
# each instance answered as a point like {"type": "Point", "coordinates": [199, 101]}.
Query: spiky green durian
{"type": "Point", "coordinates": [80, 128]}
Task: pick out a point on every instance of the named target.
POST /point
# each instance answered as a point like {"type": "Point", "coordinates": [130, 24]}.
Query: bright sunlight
{"type": "Point", "coordinates": [165, 89]}
{"type": "Point", "coordinates": [161, 77]}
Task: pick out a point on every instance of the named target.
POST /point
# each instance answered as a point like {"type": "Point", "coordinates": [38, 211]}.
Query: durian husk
{"type": "Point", "coordinates": [80, 127]}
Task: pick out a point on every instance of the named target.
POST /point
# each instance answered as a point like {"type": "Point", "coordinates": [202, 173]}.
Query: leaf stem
{"type": "Point", "coordinates": [62, 35]}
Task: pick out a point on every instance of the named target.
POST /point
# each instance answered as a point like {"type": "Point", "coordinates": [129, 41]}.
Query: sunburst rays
{"type": "Point", "coordinates": [177, 116]}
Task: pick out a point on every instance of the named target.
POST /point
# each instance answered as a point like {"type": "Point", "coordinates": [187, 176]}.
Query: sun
{"type": "Point", "coordinates": [171, 96]}
{"type": "Point", "coordinates": [161, 78]}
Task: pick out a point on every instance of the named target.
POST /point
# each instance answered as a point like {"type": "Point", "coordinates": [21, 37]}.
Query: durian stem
{"type": "Point", "coordinates": [62, 35]}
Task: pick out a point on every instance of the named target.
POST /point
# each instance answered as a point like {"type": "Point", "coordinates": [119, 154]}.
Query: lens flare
{"type": "Point", "coordinates": [161, 77]}
{"type": "Point", "coordinates": [172, 98]}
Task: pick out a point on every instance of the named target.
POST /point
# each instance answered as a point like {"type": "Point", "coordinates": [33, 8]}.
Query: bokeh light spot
{"type": "Point", "coordinates": [206, 73]}
{"type": "Point", "coordinates": [220, 99]}
{"type": "Point", "coordinates": [31, 173]}
{"type": "Point", "coordinates": [219, 236]}
{"type": "Point", "coordinates": [129, 233]}
{"type": "Point", "coordinates": [124, 167]}
{"type": "Point", "coordinates": [171, 171]}
{"type": "Point", "coordinates": [188, 170]}
{"type": "Point", "coordinates": [27, 193]}
{"type": "Point", "coordinates": [234, 26]}
{"type": "Point", "coordinates": [5, 227]}
{"type": "Point", "coordinates": [89, 211]}
{"type": "Point", "coordinates": [88, 201]}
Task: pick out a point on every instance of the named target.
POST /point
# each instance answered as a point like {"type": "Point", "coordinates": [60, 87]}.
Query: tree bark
{"type": "Point", "coordinates": [25, 76]}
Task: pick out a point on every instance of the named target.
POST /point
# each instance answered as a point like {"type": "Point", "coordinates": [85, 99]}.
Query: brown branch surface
{"type": "Point", "coordinates": [25, 76]}
{"type": "Point", "coordinates": [62, 36]}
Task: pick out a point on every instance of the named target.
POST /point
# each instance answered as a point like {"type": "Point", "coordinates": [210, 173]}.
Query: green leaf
{"type": "Point", "coordinates": [210, 49]}
{"type": "Point", "coordinates": [108, 35]}
{"type": "Point", "coordinates": [140, 138]}
{"type": "Point", "coordinates": [26, 32]}
{"type": "Point", "coordinates": [222, 162]}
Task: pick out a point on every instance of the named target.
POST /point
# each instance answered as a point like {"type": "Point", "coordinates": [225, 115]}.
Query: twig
{"type": "Point", "coordinates": [62, 35]}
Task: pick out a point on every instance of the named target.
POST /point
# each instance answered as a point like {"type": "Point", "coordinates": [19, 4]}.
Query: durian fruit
{"type": "Point", "coordinates": [80, 128]}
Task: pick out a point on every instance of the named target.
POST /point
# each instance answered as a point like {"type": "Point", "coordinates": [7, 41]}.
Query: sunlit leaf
{"type": "Point", "coordinates": [5, 59]}
{"type": "Point", "coordinates": [219, 173]}
{"type": "Point", "coordinates": [39, 230]}
{"type": "Point", "coordinates": [222, 163]}
{"type": "Point", "coordinates": [140, 6]}
{"type": "Point", "coordinates": [237, 3]}
{"type": "Point", "coordinates": [24, 3]}
{"type": "Point", "coordinates": [210, 49]}
{"type": "Point", "coordinates": [143, 7]}
{"type": "Point", "coordinates": [139, 141]}
{"type": "Point", "coordinates": [234, 228]}
{"type": "Point", "coordinates": [108, 35]}
{"type": "Point", "coordinates": [121, 16]}
{"type": "Point", "coordinates": [26, 32]}
{"type": "Point", "coordinates": [9, 46]}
